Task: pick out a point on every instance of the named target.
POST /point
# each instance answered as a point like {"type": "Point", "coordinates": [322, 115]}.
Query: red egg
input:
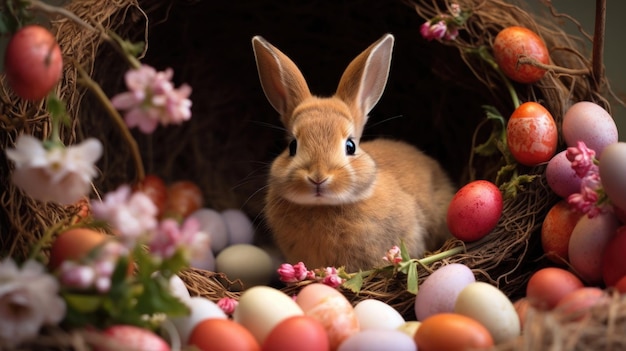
{"type": "Point", "coordinates": [547, 286]}
{"type": "Point", "coordinates": [513, 42]}
{"type": "Point", "coordinates": [474, 210]}
{"type": "Point", "coordinates": [73, 244]}
{"type": "Point", "coordinates": [154, 187]}
{"type": "Point", "coordinates": [621, 285]}
{"type": "Point", "coordinates": [301, 333]}
{"type": "Point", "coordinates": [222, 335]}
{"type": "Point", "coordinates": [614, 258]}
{"type": "Point", "coordinates": [577, 303]}
{"type": "Point", "coordinates": [531, 134]}
{"type": "Point", "coordinates": [183, 198]}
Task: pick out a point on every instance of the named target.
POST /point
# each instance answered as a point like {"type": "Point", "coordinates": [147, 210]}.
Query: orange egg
{"type": "Point", "coordinates": [556, 230]}
{"type": "Point", "coordinates": [451, 332]}
{"type": "Point", "coordinates": [548, 285]}
{"type": "Point", "coordinates": [301, 333]}
{"type": "Point", "coordinates": [222, 335]}
{"type": "Point", "coordinates": [73, 244]}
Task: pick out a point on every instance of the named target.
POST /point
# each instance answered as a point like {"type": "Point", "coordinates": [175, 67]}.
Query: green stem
{"type": "Point", "coordinates": [485, 55]}
{"type": "Point", "coordinates": [440, 256]}
{"type": "Point", "coordinates": [45, 239]}
{"type": "Point", "coordinates": [117, 119]}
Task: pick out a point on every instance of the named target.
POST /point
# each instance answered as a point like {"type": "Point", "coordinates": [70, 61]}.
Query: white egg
{"type": "Point", "coordinates": [587, 243]}
{"type": "Point", "coordinates": [212, 223]}
{"type": "Point", "coordinates": [489, 306]}
{"type": "Point", "coordinates": [178, 288]}
{"type": "Point", "coordinates": [378, 339]}
{"type": "Point", "coordinates": [261, 308]}
{"type": "Point", "coordinates": [613, 173]}
{"type": "Point", "coordinates": [438, 292]}
{"type": "Point", "coordinates": [590, 123]}
{"type": "Point", "coordinates": [249, 263]}
{"type": "Point", "coordinates": [240, 229]}
{"type": "Point", "coordinates": [201, 308]}
{"type": "Point", "coordinates": [375, 314]}
{"type": "Point", "coordinates": [561, 177]}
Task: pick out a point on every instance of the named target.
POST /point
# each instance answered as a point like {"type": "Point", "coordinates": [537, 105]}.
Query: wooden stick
{"type": "Point", "coordinates": [598, 43]}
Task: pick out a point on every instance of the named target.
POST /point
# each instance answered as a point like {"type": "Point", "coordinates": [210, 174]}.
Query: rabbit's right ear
{"type": "Point", "coordinates": [282, 81]}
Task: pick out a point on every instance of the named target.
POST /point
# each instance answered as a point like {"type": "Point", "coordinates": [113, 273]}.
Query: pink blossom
{"type": "Point", "coordinates": [292, 273]}
{"type": "Point", "coordinates": [433, 31]}
{"type": "Point", "coordinates": [132, 214]}
{"type": "Point", "coordinates": [587, 200]}
{"type": "Point", "coordinates": [170, 237]}
{"type": "Point", "coordinates": [393, 255]}
{"type": "Point", "coordinates": [227, 305]}
{"type": "Point", "coordinates": [96, 273]}
{"type": "Point", "coordinates": [57, 173]}
{"type": "Point", "coordinates": [582, 159]}
{"type": "Point", "coordinates": [152, 99]}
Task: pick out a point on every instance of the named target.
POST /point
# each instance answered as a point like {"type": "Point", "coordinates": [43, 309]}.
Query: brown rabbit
{"type": "Point", "coordinates": [332, 200]}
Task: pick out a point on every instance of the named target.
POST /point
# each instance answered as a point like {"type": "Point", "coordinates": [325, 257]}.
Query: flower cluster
{"type": "Point", "coordinates": [444, 26]}
{"type": "Point", "coordinates": [330, 276]}
{"type": "Point", "coordinates": [152, 99]}
{"type": "Point", "coordinates": [592, 199]}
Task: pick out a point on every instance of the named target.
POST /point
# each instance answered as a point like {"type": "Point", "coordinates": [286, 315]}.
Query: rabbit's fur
{"type": "Point", "coordinates": [332, 200]}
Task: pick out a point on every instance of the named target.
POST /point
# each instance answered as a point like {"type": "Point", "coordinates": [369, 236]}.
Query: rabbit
{"type": "Point", "coordinates": [331, 199]}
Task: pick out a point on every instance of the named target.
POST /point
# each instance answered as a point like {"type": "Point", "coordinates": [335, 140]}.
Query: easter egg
{"type": "Point", "coordinates": [375, 314]}
{"type": "Point", "coordinates": [212, 223]}
{"type": "Point", "coordinates": [577, 303]}
{"type": "Point", "coordinates": [590, 123]}
{"type": "Point", "coordinates": [261, 308]}
{"type": "Point", "coordinates": [301, 333]}
{"type": "Point", "coordinates": [74, 244]}
{"type": "Point", "coordinates": [587, 244]}
{"type": "Point", "coordinates": [256, 269]}
{"type": "Point", "coordinates": [332, 309]}
{"type": "Point", "coordinates": [452, 332]}
{"type": "Point", "coordinates": [200, 309]}
{"type": "Point", "coordinates": [378, 339]}
{"type": "Point", "coordinates": [547, 286]}
{"type": "Point", "coordinates": [438, 292]}
{"type": "Point", "coordinates": [240, 229]}
{"type": "Point", "coordinates": [489, 306]}
{"type": "Point", "coordinates": [614, 258]}
{"type": "Point", "coordinates": [557, 229]}
{"type": "Point", "coordinates": [612, 170]}
{"type": "Point", "coordinates": [561, 177]}
{"type": "Point", "coordinates": [222, 335]}
{"type": "Point", "coordinates": [474, 210]}
{"type": "Point", "coordinates": [531, 134]}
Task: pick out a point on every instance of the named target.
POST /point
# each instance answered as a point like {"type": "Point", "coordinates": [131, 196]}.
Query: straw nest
{"type": "Point", "coordinates": [437, 90]}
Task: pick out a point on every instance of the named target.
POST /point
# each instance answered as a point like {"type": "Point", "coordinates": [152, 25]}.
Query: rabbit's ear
{"type": "Point", "coordinates": [282, 81]}
{"type": "Point", "coordinates": [363, 82]}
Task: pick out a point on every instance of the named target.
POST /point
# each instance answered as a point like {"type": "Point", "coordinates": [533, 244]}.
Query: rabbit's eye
{"type": "Point", "coordinates": [350, 147]}
{"type": "Point", "coordinates": [293, 146]}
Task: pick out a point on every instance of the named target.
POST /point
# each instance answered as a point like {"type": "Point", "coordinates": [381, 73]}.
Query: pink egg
{"type": "Point", "coordinates": [587, 245]}
{"type": "Point", "coordinates": [590, 123]}
{"type": "Point", "coordinates": [560, 176]}
{"type": "Point", "coordinates": [332, 309]}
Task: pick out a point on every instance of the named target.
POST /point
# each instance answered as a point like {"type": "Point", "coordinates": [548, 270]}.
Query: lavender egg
{"type": "Point", "coordinates": [560, 176]}
{"type": "Point", "coordinates": [438, 293]}
{"type": "Point", "coordinates": [590, 123]}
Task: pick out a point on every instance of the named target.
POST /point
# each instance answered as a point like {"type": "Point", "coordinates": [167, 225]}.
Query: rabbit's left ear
{"type": "Point", "coordinates": [363, 82]}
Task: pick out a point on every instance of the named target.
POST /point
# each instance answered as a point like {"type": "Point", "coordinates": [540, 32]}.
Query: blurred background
{"type": "Point", "coordinates": [614, 49]}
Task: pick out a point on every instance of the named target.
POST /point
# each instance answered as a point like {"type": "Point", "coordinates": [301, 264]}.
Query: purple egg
{"type": "Point", "coordinates": [561, 178]}
{"type": "Point", "coordinates": [590, 123]}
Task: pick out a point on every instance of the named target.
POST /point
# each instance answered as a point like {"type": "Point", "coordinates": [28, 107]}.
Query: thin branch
{"type": "Point", "coordinates": [598, 43]}
{"type": "Point", "coordinates": [557, 69]}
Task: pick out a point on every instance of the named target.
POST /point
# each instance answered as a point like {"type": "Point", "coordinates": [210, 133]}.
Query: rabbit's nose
{"type": "Point", "coordinates": [316, 181]}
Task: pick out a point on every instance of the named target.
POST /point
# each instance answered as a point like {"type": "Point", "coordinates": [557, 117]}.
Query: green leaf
{"type": "Point", "coordinates": [497, 138]}
{"type": "Point", "coordinates": [355, 283]}
{"type": "Point", "coordinates": [82, 303]}
{"type": "Point", "coordinates": [404, 252]}
{"type": "Point", "coordinates": [57, 109]}
{"type": "Point", "coordinates": [411, 279]}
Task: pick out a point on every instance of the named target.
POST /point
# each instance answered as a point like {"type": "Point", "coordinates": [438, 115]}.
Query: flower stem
{"type": "Point", "coordinates": [117, 119]}
{"type": "Point", "coordinates": [440, 256]}
{"type": "Point", "coordinates": [486, 56]}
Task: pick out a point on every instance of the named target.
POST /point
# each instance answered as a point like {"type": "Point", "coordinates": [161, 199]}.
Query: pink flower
{"type": "Point", "coordinates": [292, 273]}
{"type": "Point", "coordinates": [587, 200]}
{"type": "Point", "coordinates": [582, 159]}
{"type": "Point", "coordinates": [393, 255]}
{"type": "Point", "coordinates": [170, 237]}
{"type": "Point", "coordinates": [227, 305]}
{"type": "Point", "coordinates": [54, 173]}
{"type": "Point", "coordinates": [95, 274]}
{"type": "Point", "coordinates": [330, 277]}
{"type": "Point", "coordinates": [131, 214]}
{"type": "Point", "coordinates": [152, 99]}
{"type": "Point", "coordinates": [433, 31]}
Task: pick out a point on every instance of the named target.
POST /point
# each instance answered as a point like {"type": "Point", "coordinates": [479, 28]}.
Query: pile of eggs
{"type": "Point", "coordinates": [449, 302]}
